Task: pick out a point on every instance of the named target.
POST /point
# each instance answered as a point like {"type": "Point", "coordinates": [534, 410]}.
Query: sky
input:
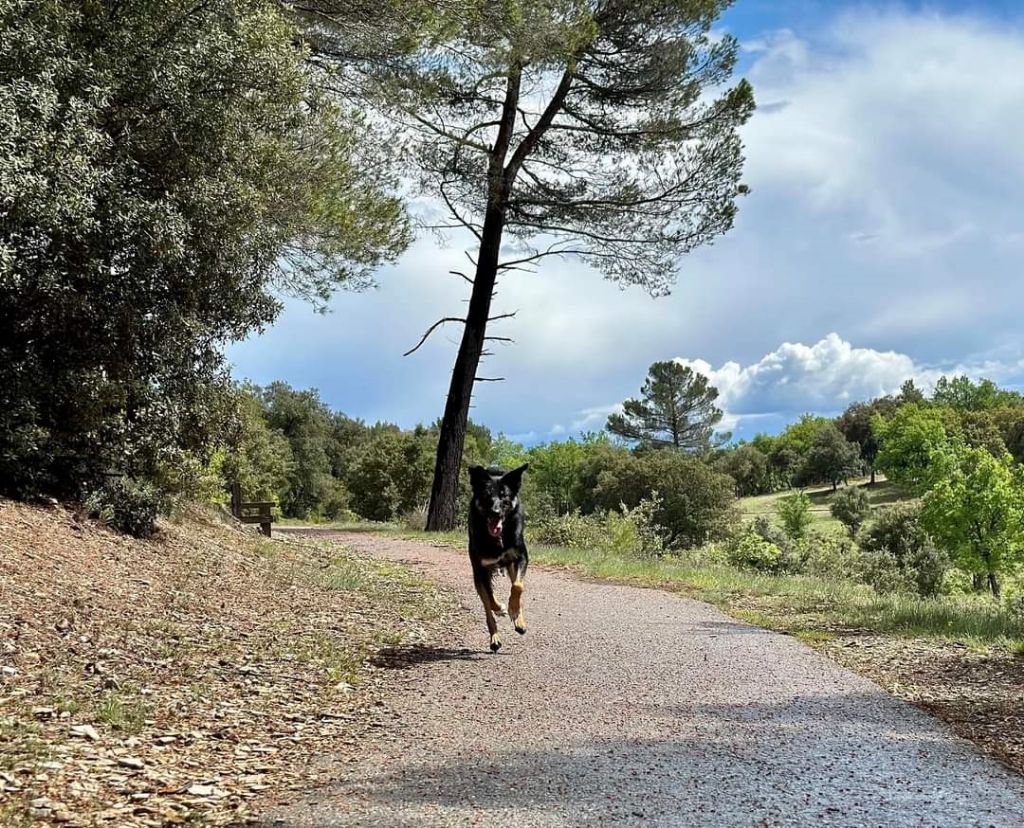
{"type": "Point", "coordinates": [882, 240]}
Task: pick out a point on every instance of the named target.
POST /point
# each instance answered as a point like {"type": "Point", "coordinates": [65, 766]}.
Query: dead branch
{"type": "Point", "coordinates": [430, 330]}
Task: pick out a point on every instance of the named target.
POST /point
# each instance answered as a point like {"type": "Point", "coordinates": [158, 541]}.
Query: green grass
{"type": "Point", "coordinates": [809, 607]}
{"type": "Point", "coordinates": [124, 712]}
{"type": "Point", "coordinates": [883, 493]}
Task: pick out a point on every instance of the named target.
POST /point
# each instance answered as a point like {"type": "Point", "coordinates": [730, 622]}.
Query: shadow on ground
{"type": "Point", "coordinates": [723, 764]}
{"type": "Point", "coordinates": [404, 658]}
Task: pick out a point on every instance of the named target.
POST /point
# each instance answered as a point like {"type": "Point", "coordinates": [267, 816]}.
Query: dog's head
{"type": "Point", "coordinates": [496, 495]}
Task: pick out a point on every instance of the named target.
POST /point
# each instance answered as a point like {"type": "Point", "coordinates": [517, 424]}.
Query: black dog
{"type": "Point", "coordinates": [496, 542]}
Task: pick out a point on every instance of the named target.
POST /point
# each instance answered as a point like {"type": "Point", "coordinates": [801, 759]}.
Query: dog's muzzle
{"type": "Point", "coordinates": [495, 523]}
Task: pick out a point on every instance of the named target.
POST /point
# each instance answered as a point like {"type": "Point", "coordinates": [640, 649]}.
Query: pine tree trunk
{"type": "Point", "coordinates": [994, 585]}
{"type": "Point", "coordinates": [444, 493]}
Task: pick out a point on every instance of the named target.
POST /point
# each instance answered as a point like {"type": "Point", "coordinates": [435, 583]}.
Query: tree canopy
{"type": "Point", "coordinates": [164, 168]}
{"type": "Point", "coordinates": [676, 410]}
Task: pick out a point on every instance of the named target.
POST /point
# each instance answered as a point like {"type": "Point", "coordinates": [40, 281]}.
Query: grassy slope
{"type": "Point", "coordinates": [882, 493]}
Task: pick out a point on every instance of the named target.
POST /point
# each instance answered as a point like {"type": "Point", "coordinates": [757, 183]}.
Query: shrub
{"type": "Point", "coordinates": [130, 506]}
{"type": "Point", "coordinates": [851, 508]}
{"type": "Point", "coordinates": [832, 555]}
{"type": "Point", "coordinates": [334, 503]}
{"type": "Point", "coordinates": [573, 531]}
{"type": "Point", "coordinates": [957, 582]}
{"type": "Point", "coordinates": [897, 532]}
{"type": "Point", "coordinates": [751, 551]}
{"type": "Point", "coordinates": [415, 520]}
{"type": "Point", "coordinates": [634, 532]}
{"type": "Point", "coordinates": [795, 513]}
{"type": "Point", "coordinates": [1015, 605]}
{"type": "Point", "coordinates": [631, 532]}
{"type": "Point", "coordinates": [884, 574]}
{"type": "Point", "coordinates": [764, 548]}
{"type": "Point", "coordinates": [696, 503]}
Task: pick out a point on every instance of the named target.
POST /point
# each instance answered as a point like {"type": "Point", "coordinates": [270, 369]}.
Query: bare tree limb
{"type": "Point", "coordinates": [430, 330]}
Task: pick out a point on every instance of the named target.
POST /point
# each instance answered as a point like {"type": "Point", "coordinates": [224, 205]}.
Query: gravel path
{"type": "Point", "coordinates": [628, 706]}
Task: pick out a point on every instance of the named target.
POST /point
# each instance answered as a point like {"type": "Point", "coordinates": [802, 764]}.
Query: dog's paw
{"type": "Point", "coordinates": [495, 643]}
{"type": "Point", "coordinates": [520, 626]}
{"type": "Point", "coordinates": [500, 610]}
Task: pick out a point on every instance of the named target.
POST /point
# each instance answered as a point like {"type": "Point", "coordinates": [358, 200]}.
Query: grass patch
{"type": "Point", "coordinates": [123, 712]}
{"type": "Point", "coordinates": [1016, 647]}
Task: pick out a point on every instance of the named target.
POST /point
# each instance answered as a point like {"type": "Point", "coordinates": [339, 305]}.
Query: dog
{"type": "Point", "coordinates": [496, 542]}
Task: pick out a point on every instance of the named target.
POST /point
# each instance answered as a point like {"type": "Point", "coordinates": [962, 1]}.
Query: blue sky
{"type": "Point", "coordinates": [882, 240]}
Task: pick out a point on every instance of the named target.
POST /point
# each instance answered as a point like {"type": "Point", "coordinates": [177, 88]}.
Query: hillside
{"type": "Point", "coordinates": [185, 677]}
{"type": "Point", "coordinates": [883, 493]}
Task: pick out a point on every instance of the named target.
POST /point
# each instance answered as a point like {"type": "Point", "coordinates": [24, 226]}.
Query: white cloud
{"type": "Point", "coordinates": [825, 377]}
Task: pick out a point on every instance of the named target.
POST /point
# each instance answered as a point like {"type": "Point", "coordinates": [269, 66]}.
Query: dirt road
{"type": "Point", "coordinates": [627, 706]}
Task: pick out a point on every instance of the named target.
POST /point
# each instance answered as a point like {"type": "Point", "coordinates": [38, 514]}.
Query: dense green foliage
{"type": "Point", "coordinates": [164, 166]}
{"type": "Point", "coordinates": [898, 534]}
{"type": "Point", "coordinates": [975, 510]}
{"type": "Point", "coordinates": [830, 458]}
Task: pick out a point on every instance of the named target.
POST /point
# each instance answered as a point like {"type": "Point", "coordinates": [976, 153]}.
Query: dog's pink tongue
{"type": "Point", "coordinates": [494, 527]}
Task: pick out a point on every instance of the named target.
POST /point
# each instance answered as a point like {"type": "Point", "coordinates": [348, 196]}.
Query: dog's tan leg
{"type": "Point", "coordinates": [515, 600]}
{"type": "Point", "coordinates": [489, 609]}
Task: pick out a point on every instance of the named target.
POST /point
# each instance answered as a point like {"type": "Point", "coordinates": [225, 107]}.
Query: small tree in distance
{"type": "Point", "coordinates": [851, 508]}
{"type": "Point", "coordinates": [795, 513]}
{"type": "Point", "coordinates": [677, 411]}
{"type": "Point", "coordinates": [831, 458]}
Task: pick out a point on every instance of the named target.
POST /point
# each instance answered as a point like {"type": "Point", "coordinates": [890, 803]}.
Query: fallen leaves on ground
{"type": "Point", "coordinates": [188, 677]}
{"type": "Point", "coordinates": [978, 692]}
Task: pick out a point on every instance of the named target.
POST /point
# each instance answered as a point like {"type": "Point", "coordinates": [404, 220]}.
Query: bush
{"type": "Point", "coordinates": [130, 506]}
{"type": "Point", "coordinates": [764, 548]}
{"type": "Point", "coordinates": [696, 503]}
{"type": "Point", "coordinates": [751, 551]}
{"type": "Point", "coordinates": [334, 503]}
{"type": "Point", "coordinates": [634, 532]}
{"type": "Point", "coordinates": [1015, 605]}
{"type": "Point", "coordinates": [896, 532]}
{"type": "Point", "coordinates": [834, 556]}
{"type": "Point", "coordinates": [573, 531]}
{"type": "Point", "coordinates": [795, 513]}
{"type": "Point", "coordinates": [630, 532]}
{"type": "Point", "coordinates": [884, 574]}
{"type": "Point", "coordinates": [957, 582]}
{"type": "Point", "coordinates": [851, 508]}
{"type": "Point", "coordinates": [415, 520]}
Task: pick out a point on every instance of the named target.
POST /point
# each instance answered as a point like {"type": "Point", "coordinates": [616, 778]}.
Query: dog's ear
{"type": "Point", "coordinates": [478, 476]}
{"type": "Point", "coordinates": [514, 478]}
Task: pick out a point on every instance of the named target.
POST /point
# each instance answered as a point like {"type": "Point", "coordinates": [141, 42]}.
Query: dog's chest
{"type": "Point", "coordinates": [498, 556]}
